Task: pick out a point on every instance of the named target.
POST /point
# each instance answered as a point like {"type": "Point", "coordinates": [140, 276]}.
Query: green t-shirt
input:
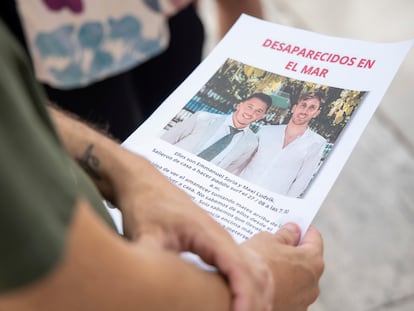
{"type": "Point", "coordinates": [39, 183]}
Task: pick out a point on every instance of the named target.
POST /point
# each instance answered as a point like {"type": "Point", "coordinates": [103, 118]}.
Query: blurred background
{"type": "Point", "coordinates": [367, 220]}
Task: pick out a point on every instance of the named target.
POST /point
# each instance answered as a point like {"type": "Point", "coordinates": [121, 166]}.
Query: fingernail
{"type": "Point", "coordinates": [291, 227]}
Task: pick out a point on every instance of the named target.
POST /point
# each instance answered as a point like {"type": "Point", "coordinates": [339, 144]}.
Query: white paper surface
{"type": "Point", "coordinates": [318, 61]}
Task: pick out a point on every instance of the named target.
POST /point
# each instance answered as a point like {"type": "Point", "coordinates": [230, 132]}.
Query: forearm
{"type": "Point", "coordinates": [103, 158]}
{"type": "Point", "coordinates": [100, 271]}
{"type": "Point", "coordinates": [129, 181]}
{"type": "Point", "coordinates": [230, 10]}
{"type": "Point", "coordinates": [159, 213]}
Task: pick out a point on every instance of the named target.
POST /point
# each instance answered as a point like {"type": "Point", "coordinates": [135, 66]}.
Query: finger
{"type": "Point", "coordinates": [313, 239]}
{"type": "Point", "coordinates": [244, 272]}
{"type": "Point", "coordinates": [253, 295]}
{"type": "Point", "coordinates": [252, 286]}
{"type": "Point", "coordinates": [155, 238]}
{"type": "Point", "coordinates": [288, 234]}
{"type": "Point", "coordinates": [312, 242]}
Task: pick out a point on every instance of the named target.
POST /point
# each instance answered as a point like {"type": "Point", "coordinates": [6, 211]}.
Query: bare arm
{"type": "Point", "coordinates": [230, 10]}
{"type": "Point", "coordinates": [161, 217]}
{"type": "Point", "coordinates": [101, 271]}
{"type": "Point", "coordinates": [155, 210]}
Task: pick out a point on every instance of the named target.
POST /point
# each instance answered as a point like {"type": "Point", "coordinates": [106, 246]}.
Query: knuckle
{"type": "Point", "coordinates": [285, 237]}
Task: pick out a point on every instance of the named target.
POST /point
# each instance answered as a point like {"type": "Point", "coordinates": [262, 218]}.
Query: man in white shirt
{"type": "Point", "coordinates": [201, 133]}
{"type": "Point", "coordinates": [288, 155]}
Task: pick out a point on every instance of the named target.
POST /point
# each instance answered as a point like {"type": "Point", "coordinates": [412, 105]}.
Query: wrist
{"type": "Point", "coordinates": [129, 176]}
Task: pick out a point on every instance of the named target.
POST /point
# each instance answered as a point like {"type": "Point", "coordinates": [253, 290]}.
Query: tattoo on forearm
{"type": "Point", "coordinates": [90, 163]}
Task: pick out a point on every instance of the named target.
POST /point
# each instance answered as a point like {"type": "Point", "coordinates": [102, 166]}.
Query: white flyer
{"type": "Point", "coordinates": [292, 105]}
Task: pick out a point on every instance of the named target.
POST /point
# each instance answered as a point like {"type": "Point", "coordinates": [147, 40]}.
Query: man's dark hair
{"type": "Point", "coordinates": [263, 97]}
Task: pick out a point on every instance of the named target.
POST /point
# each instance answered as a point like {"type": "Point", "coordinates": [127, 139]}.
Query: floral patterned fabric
{"type": "Point", "coordinates": [76, 42]}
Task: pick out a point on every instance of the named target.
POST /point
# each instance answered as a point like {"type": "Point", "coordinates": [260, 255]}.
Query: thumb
{"type": "Point", "coordinates": [288, 234]}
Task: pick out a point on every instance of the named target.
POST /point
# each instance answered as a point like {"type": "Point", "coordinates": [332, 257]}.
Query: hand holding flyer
{"type": "Point", "coordinates": [259, 132]}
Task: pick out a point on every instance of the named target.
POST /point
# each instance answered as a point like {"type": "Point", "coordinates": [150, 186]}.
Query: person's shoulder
{"type": "Point", "coordinates": [205, 115]}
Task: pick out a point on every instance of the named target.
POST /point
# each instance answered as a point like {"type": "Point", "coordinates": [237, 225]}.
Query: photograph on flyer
{"type": "Point", "coordinates": [268, 129]}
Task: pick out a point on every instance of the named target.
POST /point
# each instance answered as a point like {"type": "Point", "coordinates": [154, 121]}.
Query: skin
{"type": "Point", "coordinates": [126, 276]}
{"type": "Point", "coordinates": [304, 111]}
{"type": "Point", "coordinates": [160, 222]}
{"type": "Point", "coordinates": [154, 209]}
{"type": "Point", "coordinates": [248, 111]}
{"type": "Point", "coordinates": [296, 270]}
{"type": "Point", "coordinates": [131, 276]}
{"type": "Point", "coordinates": [230, 10]}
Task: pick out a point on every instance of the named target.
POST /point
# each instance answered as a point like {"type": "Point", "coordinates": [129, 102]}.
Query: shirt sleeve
{"type": "Point", "coordinates": [181, 130]}
{"type": "Point", "coordinates": [37, 192]}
